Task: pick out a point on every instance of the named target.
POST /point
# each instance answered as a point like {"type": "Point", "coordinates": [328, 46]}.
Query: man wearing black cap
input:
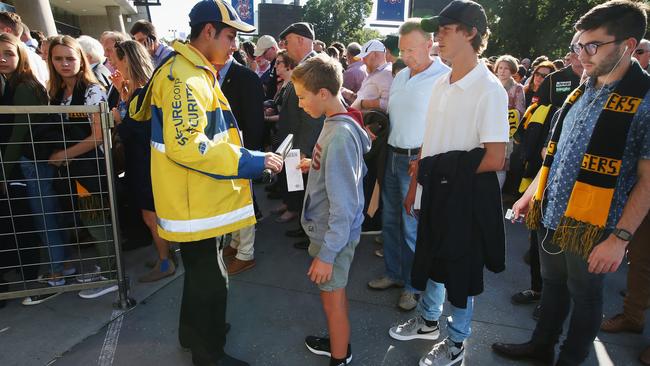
{"type": "Point", "coordinates": [466, 133]}
{"type": "Point", "coordinates": [200, 171]}
{"type": "Point", "coordinates": [298, 39]}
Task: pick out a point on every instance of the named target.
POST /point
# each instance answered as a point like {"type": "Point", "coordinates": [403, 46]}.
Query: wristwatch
{"type": "Point", "coordinates": [622, 234]}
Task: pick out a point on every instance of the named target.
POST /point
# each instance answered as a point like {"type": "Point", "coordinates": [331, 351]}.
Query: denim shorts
{"type": "Point", "coordinates": [341, 265]}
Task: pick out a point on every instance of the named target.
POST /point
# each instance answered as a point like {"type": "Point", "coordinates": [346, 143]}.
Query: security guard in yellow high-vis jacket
{"type": "Point", "coordinates": [200, 172]}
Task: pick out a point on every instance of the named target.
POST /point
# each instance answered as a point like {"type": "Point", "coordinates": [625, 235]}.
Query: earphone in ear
{"type": "Point", "coordinates": [626, 48]}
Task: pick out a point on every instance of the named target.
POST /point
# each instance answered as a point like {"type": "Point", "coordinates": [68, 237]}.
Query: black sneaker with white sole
{"type": "Point", "coordinates": [321, 346]}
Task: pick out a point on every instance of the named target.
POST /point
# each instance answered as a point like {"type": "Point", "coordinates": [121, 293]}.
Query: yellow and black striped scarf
{"type": "Point", "coordinates": [586, 215]}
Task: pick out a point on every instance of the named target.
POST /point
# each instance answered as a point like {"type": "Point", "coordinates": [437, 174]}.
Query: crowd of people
{"type": "Point", "coordinates": [415, 139]}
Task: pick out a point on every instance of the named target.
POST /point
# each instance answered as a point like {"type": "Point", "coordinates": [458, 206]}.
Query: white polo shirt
{"type": "Point", "coordinates": [409, 102]}
{"type": "Point", "coordinates": [465, 115]}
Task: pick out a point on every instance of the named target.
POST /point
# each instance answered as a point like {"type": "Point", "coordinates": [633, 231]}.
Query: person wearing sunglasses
{"type": "Point", "coordinates": [642, 54]}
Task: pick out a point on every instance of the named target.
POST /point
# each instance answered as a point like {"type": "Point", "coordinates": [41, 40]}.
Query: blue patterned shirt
{"type": "Point", "coordinates": [576, 133]}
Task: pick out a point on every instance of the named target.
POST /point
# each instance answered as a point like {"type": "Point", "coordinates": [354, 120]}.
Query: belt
{"type": "Point", "coordinates": [409, 152]}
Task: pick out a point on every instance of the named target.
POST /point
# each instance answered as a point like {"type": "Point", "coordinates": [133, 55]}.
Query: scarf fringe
{"type": "Point", "coordinates": [576, 236]}
{"type": "Point", "coordinates": [534, 217]}
{"type": "Point", "coordinates": [92, 208]}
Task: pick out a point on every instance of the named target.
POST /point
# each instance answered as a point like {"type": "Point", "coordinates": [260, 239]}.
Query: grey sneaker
{"type": "Point", "coordinates": [444, 353]}
{"type": "Point", "coordinates": [414, 328]}
{"type": "Point", "coordinates": [92, 276]}
{"type": "Point", "coordinates": [384, 283]}
{"type": "Point", "coordinates": [407, 301]}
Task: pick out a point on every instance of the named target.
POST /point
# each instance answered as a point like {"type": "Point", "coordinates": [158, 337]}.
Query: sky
{"type": "Point", "coordinates": [173, 15]}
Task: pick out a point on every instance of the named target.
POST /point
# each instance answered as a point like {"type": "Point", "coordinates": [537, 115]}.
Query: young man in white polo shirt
{"type": "Point", "coordinates": [467, 110]}
{"type": "Point", "coordinates": [407, 106]}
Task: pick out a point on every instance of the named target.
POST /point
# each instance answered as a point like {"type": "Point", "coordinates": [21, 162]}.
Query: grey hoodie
{"type": "Point", "coordinates": [333, 208]}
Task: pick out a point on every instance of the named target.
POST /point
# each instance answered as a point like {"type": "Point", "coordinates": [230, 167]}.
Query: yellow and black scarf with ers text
{"type": "Point", "coordinates": [586, 215]}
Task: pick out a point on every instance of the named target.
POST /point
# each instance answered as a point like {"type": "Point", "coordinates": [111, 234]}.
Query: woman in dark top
{"type": "Point", "coordinates": [18, 177]}
{"type": "Point", "coordinates": [540, 72]}
{"type": "Point", "coordinates": [134, 69]}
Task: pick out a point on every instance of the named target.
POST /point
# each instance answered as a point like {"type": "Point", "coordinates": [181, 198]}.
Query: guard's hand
{"type": "Point", "coordinates": [304, 165]}
{"type": "Point", "coordinates": [273, 161]}
{"type": "Point", "coordinates": [607, 256]}
{"type": "Point", "coordinates": [319, 271]}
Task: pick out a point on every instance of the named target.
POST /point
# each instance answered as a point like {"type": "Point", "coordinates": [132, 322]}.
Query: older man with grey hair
{"type": "Point", "coordinates": [408, 104]}
{"type": "Point", "coordinates": [95, 54]}
{"type": "Point", "coordinates": [642, 53]}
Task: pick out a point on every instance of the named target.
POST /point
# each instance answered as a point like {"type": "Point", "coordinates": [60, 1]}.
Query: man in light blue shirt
{"type": "Point", "coordinates": [408, 104]}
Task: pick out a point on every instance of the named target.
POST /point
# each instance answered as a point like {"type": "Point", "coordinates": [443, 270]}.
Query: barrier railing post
{"type": "Point", "coordinates": [124, 301]}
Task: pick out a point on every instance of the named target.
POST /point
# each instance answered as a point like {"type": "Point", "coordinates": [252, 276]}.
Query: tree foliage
{"type": "Point", "coordinates": [529, 28]}
{"type": "Point", "coordinates": [338, 20]}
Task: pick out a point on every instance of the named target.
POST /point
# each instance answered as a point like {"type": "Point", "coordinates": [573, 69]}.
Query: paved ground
{"type": "Point", "coordinates": [272, 308]}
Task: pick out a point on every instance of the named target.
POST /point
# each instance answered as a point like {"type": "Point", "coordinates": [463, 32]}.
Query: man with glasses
{"type": "Point", "coordinates": [593, 190]}
{"type": "Point", "coordinates": [642, 54]}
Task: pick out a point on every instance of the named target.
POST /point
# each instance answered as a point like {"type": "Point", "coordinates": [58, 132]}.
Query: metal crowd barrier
{"type": "Point", "coordinates": [58, 217]}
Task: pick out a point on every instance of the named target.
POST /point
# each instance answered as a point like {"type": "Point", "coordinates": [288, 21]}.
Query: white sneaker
{"type": "Point", "coordinates": [415, 328]}
{"type": "Point", "coordinates": [444, 353]}
{"type": "Point", "coordinates": [97, 292]}
{"type": "Point", "coordinates": [38, 299]}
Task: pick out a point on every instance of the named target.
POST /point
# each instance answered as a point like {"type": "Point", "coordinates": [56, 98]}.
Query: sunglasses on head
{"type": "Point", "coordinates": [119, 51]}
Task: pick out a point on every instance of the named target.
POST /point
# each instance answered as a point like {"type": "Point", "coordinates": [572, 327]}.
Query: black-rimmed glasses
{"type": "Point", "coordinates": [590, 48]}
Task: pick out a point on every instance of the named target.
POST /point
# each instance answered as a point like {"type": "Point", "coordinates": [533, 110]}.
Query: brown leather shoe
{"type": "Point", "coordinates": [229, 252]}
{"type": "Point", "coordinates": [238, 266]}
{"type": "Point", "coordinates": [645, 357]}
{"type": "Point", "coordinates": [620, 323]}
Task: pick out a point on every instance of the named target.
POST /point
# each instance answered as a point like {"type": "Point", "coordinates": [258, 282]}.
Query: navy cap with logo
{"type": "Point", "coordinates": [302, 29]}
{"type": "Point", "coordinates": [458, 11]}
{"type": "Point", "coordinates": [218, 11]}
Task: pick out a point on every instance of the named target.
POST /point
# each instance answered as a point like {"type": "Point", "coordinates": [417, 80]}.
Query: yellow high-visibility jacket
{"type": "Point", "coordinates": [199, 171]}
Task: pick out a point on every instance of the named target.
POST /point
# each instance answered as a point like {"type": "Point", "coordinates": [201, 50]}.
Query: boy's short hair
{"type": "Point", "coordinates": [621, 18]}
{"type": "Point", "coordinates": [319, 72]}
{"type": "Point", "coordinates": [480, 41]}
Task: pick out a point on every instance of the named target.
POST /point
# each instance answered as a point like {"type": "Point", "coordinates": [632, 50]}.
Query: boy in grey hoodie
{"type": "Point", "coordinates": [333, 207]}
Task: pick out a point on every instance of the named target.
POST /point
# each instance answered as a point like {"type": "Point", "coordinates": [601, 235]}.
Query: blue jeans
{"type": "Point", "coordinates": [399, 230]}
{"type": "Point", "coordinates": [567, 279]}
{"type": "Point", "coordinates": [46, 208]}
{"type": "Point", "coordinates": [459, 324]}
